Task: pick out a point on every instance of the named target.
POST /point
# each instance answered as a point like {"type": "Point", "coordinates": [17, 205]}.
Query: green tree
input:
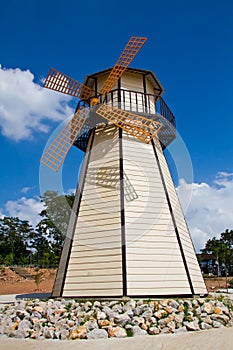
{"type": "Point", "coordinates": [54, 224]}
{"type": "Point", "coordinates": [15, 237]}
{"type": "Point", "coordinates": [41, 246]}
{"type": "Point", "coordinates": [222, 253]}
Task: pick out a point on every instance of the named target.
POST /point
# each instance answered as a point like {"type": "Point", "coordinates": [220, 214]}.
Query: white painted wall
{"type": "Point", "coordinates": [95, 262]}
{"type": "Point", "coordinates": [193, 266]}
{"type": "Point", "coordinates": [154, 262]}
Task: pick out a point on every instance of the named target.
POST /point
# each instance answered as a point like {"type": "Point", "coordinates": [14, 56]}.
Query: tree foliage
{"type": "Point", "coordinates": [14, 235]}
{"type": "Point", "coordinates": [222, 249]}
{"type": "Point", "coordinates": [21, 244]}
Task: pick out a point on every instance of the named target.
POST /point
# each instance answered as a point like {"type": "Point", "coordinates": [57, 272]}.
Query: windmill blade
{"type": "Point", "coordinates": [54, 156]}
{"type": "Point", "coordinates": [143, 128]}
{"type": "Point", "coordinates": [130, 51]}
{"type": "Point", "coordinates": [58, 81]}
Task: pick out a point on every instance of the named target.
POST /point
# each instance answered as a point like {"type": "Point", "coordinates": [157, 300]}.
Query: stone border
{"type": "Point", "coordinates": [74, 319]}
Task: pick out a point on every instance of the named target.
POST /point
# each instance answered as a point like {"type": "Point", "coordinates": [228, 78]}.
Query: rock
{"type": "Point", "coordinates": [164, 302]}
{"type": "Point", "coordinates": [122, 319]}
{"type": "Point", "coordinates": [180, 308]}
{"type": "Point", "coordinates": [205, 325]}
{"type": "Point", "coordinates": [130, 304]}
{"type": "Point", "coordinates": [157, 306]}
{"type": "Point", "coordinates": [208, 308]}
{"type": "Point", "coordinates": [137, 311]}
{"type": "Point", "coordinates": [217, 324]}
{"type": "Point", "coordinates": [174, 304]}
{"type": "Point", "coordinates": [207, 319]}
{"type": "Point", "coordinates": [109, 312]}
{"type": "Point", "coordinates": [154, 330]}
{"type": "Point", "coordinates": [192, 326]}
{"type": "Point", "coordinates": [97, 334]}
{"type": "Point", "coordinates": [56, 335]}
{"type": "Point", "coordinates": [152, 320]}
{"type": "Point", "coordinates": [128, 326]}
{"type": "Point", "coordinates": [144, 326]}
{"type": "Point", "coordinates": [35, 335]}
{"type": "Point", "coordinates": [91, 324]}
{"type": "Point", "coordinates": [171, 325]}
{"type": "Point", "coordinates": [22, 314]}
{"type": "Point", "coordinates": [166, 330]}
{"type": "Point", "coordinates": [87, 305]}
{"type": "Point", "coordinates": [201, 301]}
{"type": "Point", "coordinates": [217, 310]}
{"type": "Point", "coordinates": [198, 310]}
{"type": "Point", "coordinates": [78, 333]}
{"type": "Point", "coordinates": [105, 323]}
{"type": "Point", "coordinates": [101, 315]}
{"type": "Point", "coordinates": [195, 302]}
{"type": "Point", "coordinates": [118, 308]}
{"type": "Point", "coordinates": [169, 309]}
{"type": "Point", "coordinates": [24, 326]}
{"type": "Point", "coordinates": [138, 320]}
{"type": "Point", "coordinates": [112, 303]}
{"type": "Point", "coordinates": [38, 309]}
{"type": "Point", "coordinates": [14, 326]}
{"type": "Point", "coordinates": [36, 314]}
{"type": "Point", "coordinates": [160, 313]}
{"type": "Point", "coordinates": [48, 333]}
{"type": "Point", "coordinates": [117, 332]}
{"type": "Point", "coordinates": [96, 304]}
{"type": "Point", "coordinates": [70, 323]}
{"type": "Point", "coordinates": [179, 317]}
{"type": "Point", "coordinates": [34, 320]}
{"type": "Point", "coordinates": [148, 313]}
{"type": "Point", "coordinates": [223, 318]}
{"type": "Point", "coordinates": [60, 311]}
{"type": "Point", "coordinates": [64, 334]}
{"type": "Point", "coordinates": [162, 323]}
{"type": "Point", "coordinates": [137, 331]}
{"type": "Point", "coordinates": [180, 330]}
{"type": "Point", "coordinates": [19, 334]}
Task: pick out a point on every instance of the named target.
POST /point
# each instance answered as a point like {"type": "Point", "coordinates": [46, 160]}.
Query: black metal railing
{"type": "Point", "coordinates": [164, 110]}
{"type": "Point", "coordinates": [138, 102]}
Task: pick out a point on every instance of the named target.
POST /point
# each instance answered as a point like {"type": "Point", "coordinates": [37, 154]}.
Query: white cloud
{"type": "Point", "coordinates": [25, 208]}
{"type": "Point", "coordinates": [26, 189]}
{"type": "Point", "coordinates": [1, 214]}
{"type": "Point", "coordinates": [210, 211]}
{"type": "Point", "coordinates": [71, 191]}
{"type": "Point", "coordinates": [26, 107]}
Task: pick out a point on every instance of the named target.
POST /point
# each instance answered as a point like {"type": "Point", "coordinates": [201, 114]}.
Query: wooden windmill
{"type": "Point", "coordinates": [127, 234]}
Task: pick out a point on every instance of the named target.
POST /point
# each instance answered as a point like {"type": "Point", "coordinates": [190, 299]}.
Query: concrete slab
{"type": "Point", "coordinates": [11, 298]}
{"type": "Point", "coordinates": [214, 339]}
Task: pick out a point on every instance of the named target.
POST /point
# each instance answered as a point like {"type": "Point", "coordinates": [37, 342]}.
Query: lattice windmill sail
{"type": "Point", "coordinates": [127, 234]}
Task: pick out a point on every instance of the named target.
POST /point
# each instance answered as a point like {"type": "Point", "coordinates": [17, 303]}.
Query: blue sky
{"type": "Point", "coordinates": [189, 48]}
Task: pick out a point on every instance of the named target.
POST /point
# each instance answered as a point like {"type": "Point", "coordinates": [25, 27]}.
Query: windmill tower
{"type": "Point", "coordinates": [127, 235]}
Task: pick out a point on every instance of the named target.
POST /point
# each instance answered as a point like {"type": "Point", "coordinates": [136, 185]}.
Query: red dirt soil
{"type": "Point", "coordinates": [12, 283]}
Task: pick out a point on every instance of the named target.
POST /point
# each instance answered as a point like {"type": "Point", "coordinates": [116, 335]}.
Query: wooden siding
{"type": "Point", "coordinates": [95, 266]}
{"type": "Point", "coordinates": [190, 256]}
{"type": "Point", "coordinates": [132, 81]}
{"type": "Point", "coordinates": [153, 257]}
{"type": "Point", "coordinates": [154, 263]}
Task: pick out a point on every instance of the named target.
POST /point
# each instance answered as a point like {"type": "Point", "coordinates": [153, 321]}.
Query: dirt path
{"type": "Point", "coordinates": [11, 283]}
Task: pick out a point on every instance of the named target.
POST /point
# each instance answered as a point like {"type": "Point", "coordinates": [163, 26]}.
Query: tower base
{"type": "Point", "coordinates": [127, 235]}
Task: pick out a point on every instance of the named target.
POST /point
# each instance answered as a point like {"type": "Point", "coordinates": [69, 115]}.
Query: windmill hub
{"type": "Point", "coordinates": [94, 101]}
